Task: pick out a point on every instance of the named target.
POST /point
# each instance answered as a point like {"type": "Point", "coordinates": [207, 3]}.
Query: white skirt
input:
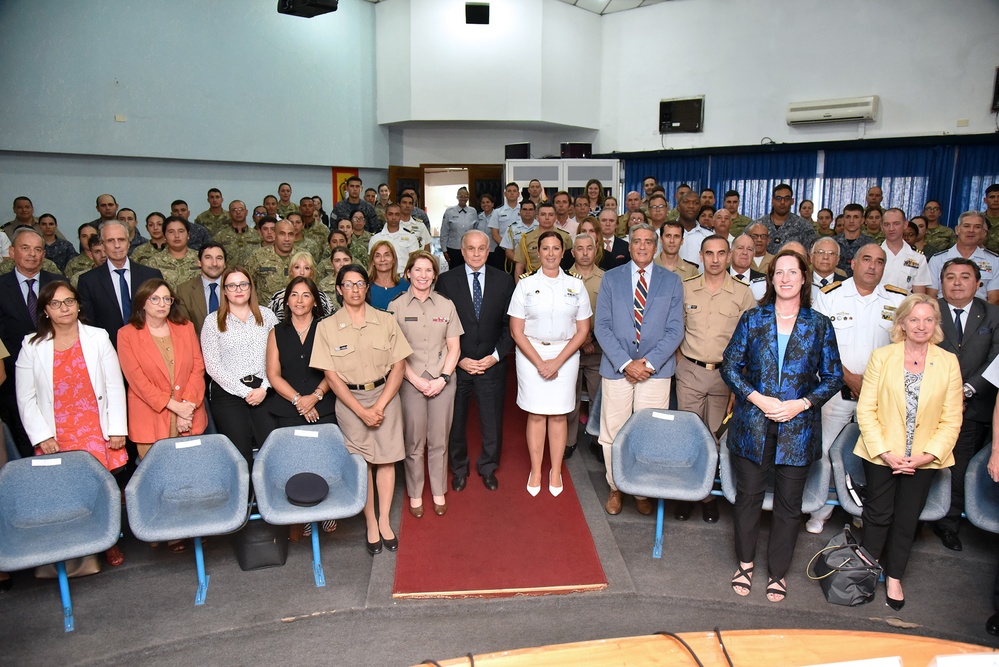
{"type": "Point", "coordinates": [547, 397]}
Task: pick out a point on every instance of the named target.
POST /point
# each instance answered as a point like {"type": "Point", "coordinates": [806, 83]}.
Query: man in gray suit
{"type": "Point", "coordinates": [971, 331]}
{"type": "Point", "coordinates": [639, 324]}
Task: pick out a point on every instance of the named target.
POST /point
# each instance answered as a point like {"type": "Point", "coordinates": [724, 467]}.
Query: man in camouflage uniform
{"type": "Point", "coordinates": [238, 238]}
{"type": "Point", "coordinates": [93, 256]}
{"type": "Point", "coordinates": [360, 239]}
{"type": "Point", "coordinates": [126, 216]}
{"type": "Point", "coordinates": [302, 243]}
{"type": "Point", "coordinates": [177, 263]}
{"type": "Point", "coordinates": [269, 266]}
{"type": "Point", "coordinates": [312, 227]}
{"type": "Point", "coordinates": [216, 218]}
{"type": "Point", "coordinates": [197, 235]}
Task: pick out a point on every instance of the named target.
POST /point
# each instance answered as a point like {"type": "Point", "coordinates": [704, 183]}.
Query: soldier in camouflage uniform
{"type": "Point", "coordinates": [177, 263]}
{"type": "Point", "coordinates": [301, 242]}
{"type": "Point", "coordinates": [157, 241]}
{"type": "Point", "coordinates": [312, 227]}
{"type": "Point", "coordinates": [269, 266]}
{"type": "Point", "coordinates": [237, 237]}
{"type": "Point", "coordinates": [938, 237]}
{"type": "Point", "coordinates": [7, 265]}
{"type": "Point", "coordinates": [284, 205]}
{"type": "Point", "coordinates": [360, 238]}
{"type": "Point", "coordinates": [58, 249]}
{"type": "Point", "coordinates": [216, 218]}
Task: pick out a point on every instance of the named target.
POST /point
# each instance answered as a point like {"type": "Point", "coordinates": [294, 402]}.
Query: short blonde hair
{"type": "Point", "coordinates": [905, 309]}
{"type": "Point", "coordinates": [298, 257]}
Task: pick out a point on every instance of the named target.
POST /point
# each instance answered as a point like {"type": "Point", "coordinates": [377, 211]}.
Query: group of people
{"type": "Point", "coordinates": [653, 308]}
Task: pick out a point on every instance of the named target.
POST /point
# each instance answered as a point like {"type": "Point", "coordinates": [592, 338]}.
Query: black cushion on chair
{"type": "Point", "coordinates": [306, 489]}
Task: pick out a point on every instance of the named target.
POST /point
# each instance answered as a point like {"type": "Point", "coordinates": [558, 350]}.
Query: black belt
{"type": "Point", "coordinates": [710, 367]}
{"type": "Point", "coordinates": [367, 387]}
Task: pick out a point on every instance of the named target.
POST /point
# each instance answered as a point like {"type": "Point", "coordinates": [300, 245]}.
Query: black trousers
{"type": "Point", "coordinates": [489, 390]}
{"type": "Point", "coordinates": [891, 514]}
{"type": "Point", "coordinates": [455, 258]}
{"type": "Point", "coordinates": [751, 487]}
{"type": "Point", "coordinates": [247, 426]}
{"type": "Point", "coordinates": [969, 441]}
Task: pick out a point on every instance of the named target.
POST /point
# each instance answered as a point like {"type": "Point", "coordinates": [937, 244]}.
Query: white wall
{"type": "Point", "coordinates": [931, 63]}
{"type": "Point", "coordinates": [226, 79]}
{"type": "Point", "coordinates": [479, 143]}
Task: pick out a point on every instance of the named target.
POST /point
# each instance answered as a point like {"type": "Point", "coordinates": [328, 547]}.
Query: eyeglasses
{"type": "Point", "coordinates": [657, 207]}
{"type": "Point", "coordinates": [237, 287]}
{"type": "Point", "coordinates": [756, 237]}
{"type": "Point", "coordinates": [157, 300]}
{"type": "Point", "coordinates": [783, 198]}
{"type": "Point", "coordinates": [347, 285]}
{"type": "Point", "coordinates": [238, 210]}
{"type": "Point", "coordinates": [825, 252]}
{"type": "Point", "coordinates": [58, 305]}
{"type": "Point", "coordinates": [259, 214]}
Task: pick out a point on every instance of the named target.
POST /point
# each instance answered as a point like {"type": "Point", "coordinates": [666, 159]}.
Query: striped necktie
{"type": "Point", "coordinates": [641, 294]}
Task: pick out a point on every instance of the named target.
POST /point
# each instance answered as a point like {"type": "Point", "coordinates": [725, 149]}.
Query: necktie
{"type": "Point", "coordinates": [824, 282]}
{"type": "Point", "coordinates": [32, 300]}
{"type": "Point", "coordinates": [213, 298]}
{"type": "Point", "coordinates": [476, 294]}
{"type": "Point", "coordinates": [957, 323]}
{"type": "Point", "coordinates": [741, 276]}
{"type": "Point", "coordinates": [126, 298]}
{"type": "Point", "coordinates": [609, 245]}
{"type": "Point", "coordinates": [641, 294]}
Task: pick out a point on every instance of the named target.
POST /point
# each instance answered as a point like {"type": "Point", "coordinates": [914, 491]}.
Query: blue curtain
{"type": "Point", "coordinates": [907, 176]}
{"type": "Point", "coordinates": [669, 171]}
{"type": "Point", "coordinates": [754, 177]}
{"type": "Point", "coordinates": [977, 168]}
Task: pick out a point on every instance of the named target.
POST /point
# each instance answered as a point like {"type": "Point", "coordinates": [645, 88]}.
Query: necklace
{"type": "Point", "coordinates": [786, 317]}
{"type": "Point", "coordinates": [301, 333]}
{"type": "Point", "coordinates": [912, 357]}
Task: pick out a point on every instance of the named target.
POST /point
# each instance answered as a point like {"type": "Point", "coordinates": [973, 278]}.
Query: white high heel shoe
{"type": "Point", "coordinates": [533, 490]}
{"type": "Point", "coordinates": [554, 490]}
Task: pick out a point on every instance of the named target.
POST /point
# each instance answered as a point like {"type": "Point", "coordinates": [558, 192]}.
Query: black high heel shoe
{"type": "Point", "coordinates": [375, 548]}
{"type": "Point", "coordinates": [893, 603]}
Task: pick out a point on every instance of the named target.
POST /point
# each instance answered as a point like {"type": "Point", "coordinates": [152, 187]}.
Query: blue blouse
{"type": "Point", "coordinates": [381, 296]}
{"type": "Point", "coordinates": [781, 349]}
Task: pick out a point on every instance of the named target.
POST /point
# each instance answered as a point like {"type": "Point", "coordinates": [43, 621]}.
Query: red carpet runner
{"type": "Point", "coordinates": [498, 543]}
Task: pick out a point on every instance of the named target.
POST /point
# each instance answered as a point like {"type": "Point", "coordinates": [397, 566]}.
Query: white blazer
{"type": "Point", "coordinates": [35, 396]}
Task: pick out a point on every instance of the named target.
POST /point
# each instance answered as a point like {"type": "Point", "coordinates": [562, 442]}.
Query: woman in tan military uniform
{"type": "Point", "coordinates": [361, 349]}
{"type": "Point", "coordinates": [430, 324]}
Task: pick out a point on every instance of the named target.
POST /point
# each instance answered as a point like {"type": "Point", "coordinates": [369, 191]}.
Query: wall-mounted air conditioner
{"type": "Point", "coordinates": [833, 111]}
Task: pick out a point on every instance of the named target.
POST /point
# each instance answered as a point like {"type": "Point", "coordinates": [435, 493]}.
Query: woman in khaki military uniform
{"type": "Point", "coordinates": [430, 324]}
{"type": "Point", "coordinates": [361, 348]}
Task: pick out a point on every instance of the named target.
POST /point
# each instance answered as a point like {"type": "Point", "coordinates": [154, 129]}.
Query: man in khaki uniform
{"type": "Point", "coordinates": [177, 263]}
{"type": "Point", "coordinates": [671, 238]}
{"type": "Point", "coordinates": [216, 218]}
{"type": "Point", "coordinates": [761, 237]}
{"type": "Point", "coordinates": [269, 265]}
{"type": "Point", "coordinates": [584, 250]}
{"type": "Point", "coordinates": [525, 256]}
{"type": "Point", "coordinates": [237, 237]}
{"type": "Point", "coordinates": [712, 305]}
{"type": "Point", "coordinates": [632, 203]}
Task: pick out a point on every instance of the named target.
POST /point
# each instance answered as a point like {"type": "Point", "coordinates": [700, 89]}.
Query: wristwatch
{"type": "Point", "coordinates": [446, 376]}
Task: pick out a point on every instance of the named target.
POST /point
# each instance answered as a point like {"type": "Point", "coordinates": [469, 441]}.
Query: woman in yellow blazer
{"type": "Point", "coordinates": [910, 412]}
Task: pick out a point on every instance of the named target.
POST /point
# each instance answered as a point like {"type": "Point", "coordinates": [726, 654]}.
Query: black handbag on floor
{"type": "Point", "coordinates": [845, 570]}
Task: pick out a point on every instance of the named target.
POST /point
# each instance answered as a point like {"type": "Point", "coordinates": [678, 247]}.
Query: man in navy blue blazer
{"type": "Point", "coordinates": [639, 343]}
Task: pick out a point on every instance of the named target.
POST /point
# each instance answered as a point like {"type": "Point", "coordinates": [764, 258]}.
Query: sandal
{"type": "Point", "coordinates": [178, 547]}
{"type": "Point", "coordinates": [745, 574]}
{"type": "Point", "coordinates": [329, 525]}
{"type": "Point", "coordinates": [776, 588]}
{"type": "Point", "coordinates": [114, 556]}
{"type": "Point", "coordinates": [307, 530]}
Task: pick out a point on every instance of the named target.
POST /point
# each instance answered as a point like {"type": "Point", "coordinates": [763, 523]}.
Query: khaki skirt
{"type": "Point", "coordinates": [383, 444]}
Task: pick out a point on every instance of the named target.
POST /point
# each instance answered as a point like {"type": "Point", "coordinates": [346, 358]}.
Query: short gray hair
{"type": "Point", "coordinates": [823, 239]}
{"type": "Point", "coordinates": [25, 229]}
{"type": "Point", "coordinates": [113, 223]}
{"type": "Point", "coordinates": [646, 226]}
{"type": "Point", "coordinates": [474, 231]}
{"type": "Point", "coordinates": [579, 237]}
{"type": "Point", "coordinates": [971, 214]}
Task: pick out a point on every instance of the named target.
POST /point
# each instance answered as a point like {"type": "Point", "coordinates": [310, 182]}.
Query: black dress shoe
{"type": "Point", "coordinates": [458, 482]}
{"type": "Point", "coordinates": [682, 511]}
{"type": "Point", "coordinates": [391, 545]}
{"type": "Point", "coordinates": [490, 482]}
{"type": "Point", "coordinates": [948, 538]}
{"type": "Point", "coordinates": [709, 511]}
{"type": "Point", "coordinates": [597, 451]}
{"type": "Point", "coordinates": [5, 585]}
{"type": "Point", "coordinates": [569, 451]}
{"type": "Point", "coordinates": [376, 547]}
{"type": "Point", "coordinates": [992, 625]}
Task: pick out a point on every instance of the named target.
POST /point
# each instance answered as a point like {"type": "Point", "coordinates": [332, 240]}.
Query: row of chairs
{"type": "Point", "coordinates": [671, 455]}
{"type": "Point", "coordinates": [67, 505]}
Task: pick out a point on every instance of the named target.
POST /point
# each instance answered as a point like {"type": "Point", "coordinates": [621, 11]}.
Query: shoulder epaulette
{"type": "Point", "coordinates": [994, 254]}
{"type": "Point", "coordinates": [524, 275]}
{"type": "Point", "coordinates": [575, 275]}
{"type": "Point", "coordinates": [688, 262]}
{"type": "Point", "coordinates": [919, 250]}
{"type": "Point", "coordinates": [741, 282]}
{"type": "Point", "coordinates": [687, 280]}
{"type": "Point", "coordinates": [832, 286]}
{"type": "Point", "coordinates": [896, 290]}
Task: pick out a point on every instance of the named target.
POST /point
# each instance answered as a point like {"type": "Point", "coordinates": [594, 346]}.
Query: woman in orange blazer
{"type": "Point", "coordinates": [161, 359]}
{"type": "Point", "coordinates": [910, 411]}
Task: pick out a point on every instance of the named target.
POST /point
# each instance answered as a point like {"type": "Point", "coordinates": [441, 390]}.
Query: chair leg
{"type": "Point", "coordinates": [199, 558]}
{"type": "Point", "coordinates": [657, 550]}
{"type": "Point", "coordinates": [317, 564]}
{"type": "Point", "coordinates": [67, 604]}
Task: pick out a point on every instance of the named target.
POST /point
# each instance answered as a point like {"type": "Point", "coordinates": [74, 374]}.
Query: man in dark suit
{"type": "Point", "coordinates": [20, 290]}
{"type": "Point", "coordinates": [200, 295]}
{"type": "Point", "coordinates": [481, 295]}
{"type": "Point", "coordinates": [105, 301]}
{"type": "Point", "coordinates": [971, 331]}
{"type": "Point", "coordinates": [615, 249]}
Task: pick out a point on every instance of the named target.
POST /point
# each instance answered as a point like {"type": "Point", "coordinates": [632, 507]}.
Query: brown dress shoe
{"type": "Point", "coordinates": [613, 504]}
{"type": "Point", "coordinates": [643, 505]}
{"type": "Point", "coordinates": [417, 512]}
{"type": "Point", "coordinates": [439, 510]}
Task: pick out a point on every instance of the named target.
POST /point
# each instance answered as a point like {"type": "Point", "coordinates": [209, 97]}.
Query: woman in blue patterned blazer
{"type": "Point", "coordinates": [782, 364]}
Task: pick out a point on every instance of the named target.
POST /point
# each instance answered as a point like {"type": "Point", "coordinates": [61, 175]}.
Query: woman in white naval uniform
{"type": "Point", "coordinates": [549, 319]}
